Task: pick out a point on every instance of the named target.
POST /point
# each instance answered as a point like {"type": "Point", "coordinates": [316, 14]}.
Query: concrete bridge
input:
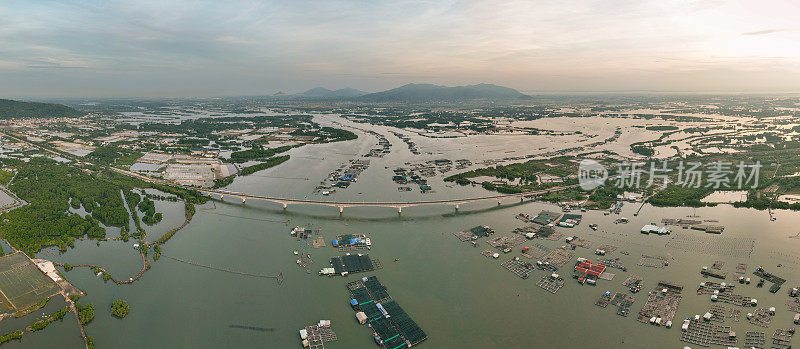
{"type": "Point", "coordinates": [399, 205]}
{"type": "Point", "coordinates": [341, 205]}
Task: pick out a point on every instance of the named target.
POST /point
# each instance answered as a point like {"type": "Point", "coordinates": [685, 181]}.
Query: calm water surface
{"type": "Point", "coordinates": [457, 296]}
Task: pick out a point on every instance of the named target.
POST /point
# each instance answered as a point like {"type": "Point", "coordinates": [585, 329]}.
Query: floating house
{"type": "Point", "coordinates": [654, 229]}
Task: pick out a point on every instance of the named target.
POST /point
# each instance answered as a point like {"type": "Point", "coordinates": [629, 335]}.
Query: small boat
{"type": "Point", "coordinates": [296, 253]}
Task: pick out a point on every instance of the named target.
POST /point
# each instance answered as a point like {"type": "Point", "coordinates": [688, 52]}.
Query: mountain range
{"type": "Point", "coordinates": [413, 93]}
{"type": "Point", "coordinates": [321, 92]}
{"type": "Point", "coordinates": [18, 109]}
{"type": "Point", "coordinates": [416, 93]}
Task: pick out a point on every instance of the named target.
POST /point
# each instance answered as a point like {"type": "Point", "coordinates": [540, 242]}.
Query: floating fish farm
{"type": "Point", "coordinates": [351, 263]}
{"type": "Point", "coordinates": [392, 327]}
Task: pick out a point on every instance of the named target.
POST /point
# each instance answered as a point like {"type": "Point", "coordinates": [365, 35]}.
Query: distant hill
{"type": "Point", "coordinates": [321, 92]}
{"type": "Point", "coordinates": [420, 93]}
{"type": "Point", "coordinates": [17, 109]}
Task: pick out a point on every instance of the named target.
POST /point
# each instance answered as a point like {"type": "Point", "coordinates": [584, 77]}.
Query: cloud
{"type": "Point", "coordinates": [766, 31]}
{"type": "Point", "coordinates": [263, 46]}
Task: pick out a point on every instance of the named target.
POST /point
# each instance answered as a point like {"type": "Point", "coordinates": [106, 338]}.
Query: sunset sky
{"type": "Point", "coordinates": [221, 48]}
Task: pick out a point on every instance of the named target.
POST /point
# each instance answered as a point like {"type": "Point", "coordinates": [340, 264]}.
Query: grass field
{"type": "Point", "coordinates": [22, 284]}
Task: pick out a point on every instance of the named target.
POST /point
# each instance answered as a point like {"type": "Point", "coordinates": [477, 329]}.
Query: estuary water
{"type": "Point", "coordinates": [457, 296]}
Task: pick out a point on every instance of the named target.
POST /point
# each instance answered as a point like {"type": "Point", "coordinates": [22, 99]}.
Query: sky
{"type": "Point", "coordinates": [165, 48]}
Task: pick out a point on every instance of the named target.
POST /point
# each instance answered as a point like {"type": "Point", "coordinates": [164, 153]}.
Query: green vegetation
{"type": "Point", "coordinates": [120, 308]}
{"type": "Point", "coordinates": [90, 342]}
{"type": "Point", "coordinates": [157, 252]}
{"type": "Point", "coordinates": [32, 308]}
{"type": "Point", "coordinates": [11, 336]}
{"type": "Point", "coordinates": [17, 109]}
{"type": "Point", "coordinates": [221, 182]}
{"type": "Point", "coordinates": [675, 195]}
{"type": "Point", "coordinates": [603, 197]}
{"type": "Point", "coordinates": [41, 324]}
{"type": "Point", "coordinates": [85, 313]}
{"type": "Point", "coordinates": [332, 134]}
{"type": "Point", "coordinates": [661, 128]}
{"type": "Point", "coordinates": [264, 165]}
{"type": "Point", "coordinates": [5, 177]}
{"type": "Point", "coordinates": [643, 150]}
{"type": "Point", "coordinates": [112, 155]}
{"type": "Point", "coordinates": [132, 199]}
{"type": "Point", "coordinates": [527, 171]}
{"type": "Point", "coordinates": [189, 211]}
{"type": "Point", "coordinates": [256, 153]}
{"type": "Point", "coordinates": [271, 162]}
{"type": "Point", "coordinates": [148, 207]}
{"type": "Point", "coordinates": [51, 188]}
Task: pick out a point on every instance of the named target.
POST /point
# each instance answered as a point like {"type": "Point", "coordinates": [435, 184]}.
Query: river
{"type": "Point", "coordinates": [457, 296]}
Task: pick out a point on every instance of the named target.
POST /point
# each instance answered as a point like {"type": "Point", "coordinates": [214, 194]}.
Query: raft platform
{"type": "Point", "coordinates": [536, 251]}
{"type": "Point", "coordinates": [551, 284]}
{"type": "Point", "coordinates": [705, 333]}
{"type": "Point", "coordinates": [782, 339]}
{"type": "Point", "coordinates": [653, 261]}
{"type": "Point", "coordinates": [754, 339]}
{"type": "Point", "coordinates": [518, 267]}
{"type": "Point", "coordinates": [724, 296]}
{"type": "Point", "coordinates": [317, 335]}
{"type": "Point", "coordinates": [712, 273]}
{"type": "Point", "coordinates": [558, 257]}
{"type": "Point", "coordinates": [761, 317]}
{"type": "Point", "coordinates": [392, 326]}
{"type": "Point", "coordinates": [354, 263]}
{"type": "Point", "coordinates": [662, 302]}
{"type": "Point", "coordinates": [776, 281]}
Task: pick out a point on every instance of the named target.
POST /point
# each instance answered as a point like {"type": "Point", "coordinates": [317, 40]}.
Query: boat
{"type": "Point", "coordinates": [296, 252]}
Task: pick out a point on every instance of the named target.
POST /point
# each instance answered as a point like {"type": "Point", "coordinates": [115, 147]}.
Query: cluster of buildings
{"type": "Point", "coordinates": [186, 169]}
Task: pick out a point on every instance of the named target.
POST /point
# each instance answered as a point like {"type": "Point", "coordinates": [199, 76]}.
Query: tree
{"type": "Point", "coordinates": [120, 308]}
{"type": "Point", "coordinates": [85, 313]}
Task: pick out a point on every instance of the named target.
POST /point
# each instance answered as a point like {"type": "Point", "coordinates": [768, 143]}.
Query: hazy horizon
{"type": "Point", "coordinates": [87, 49]}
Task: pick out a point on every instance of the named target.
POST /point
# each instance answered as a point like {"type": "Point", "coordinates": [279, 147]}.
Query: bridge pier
{"type": "Point", "coordinates": [244, 200]}
{"type": "Point", "coordinates": [341, 210]}
{"type": "Point", "coordinates": [285, 205]}
{"type": "Point", "coordinates": [456, 207]}
{"type": "Point", "coordinates": [399, 210]}
{"type": "Point", "coordinates": [221, 197]}
{"type": "Point", "coordinates": [498, 202]}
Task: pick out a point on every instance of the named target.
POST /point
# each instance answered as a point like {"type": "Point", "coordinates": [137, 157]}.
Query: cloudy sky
{"type": "Point", "coordinates": [207, 48]}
